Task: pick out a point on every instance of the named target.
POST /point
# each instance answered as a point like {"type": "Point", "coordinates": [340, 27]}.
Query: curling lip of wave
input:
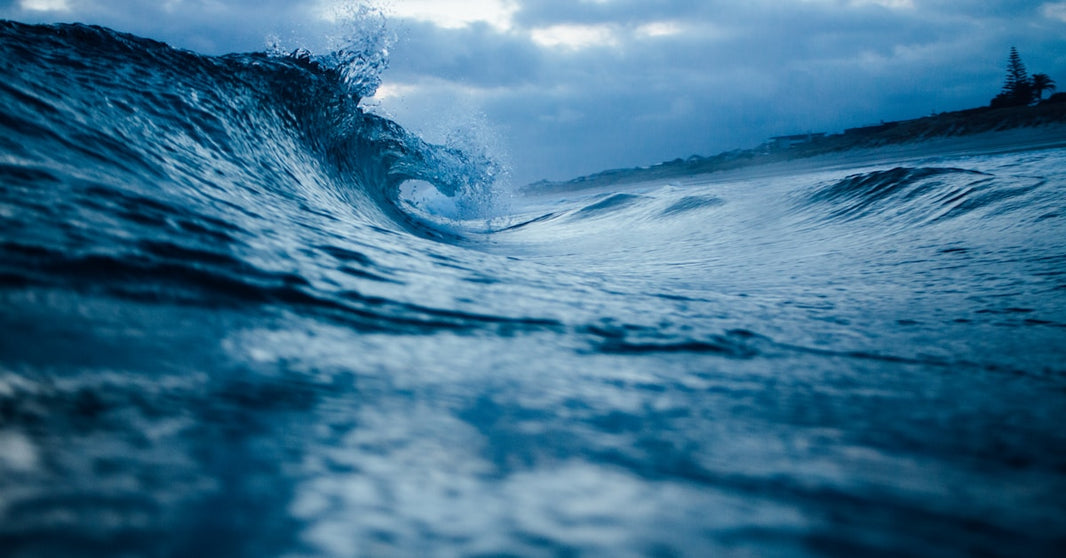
{"type": "Point", "coordinates": [133, 99]}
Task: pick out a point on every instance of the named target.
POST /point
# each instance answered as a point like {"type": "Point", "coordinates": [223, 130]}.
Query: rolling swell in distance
{"type": "Point", "coordinates": [226, 333]}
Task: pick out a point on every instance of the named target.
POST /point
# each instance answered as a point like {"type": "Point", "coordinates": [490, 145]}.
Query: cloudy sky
{"type": "Point", "coordinates": [559, 88]}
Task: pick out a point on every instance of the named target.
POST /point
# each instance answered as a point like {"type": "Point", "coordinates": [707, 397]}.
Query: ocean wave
{"type": "Point", "coordinates": [149, 117]}
{"type": "Point", "coordinates": [233, 326]}
{"type": "Point", "coordinates": [917, 195]}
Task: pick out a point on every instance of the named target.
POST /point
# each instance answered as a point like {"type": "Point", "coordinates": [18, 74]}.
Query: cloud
{"type": "Point", "coordinates": [1056, 10]}
{"type": "Point", "coordinates": [891, 4]}
{"type": "Point", "coordinates": [450, 14]}
{"type": "Point", "coordinates": [660, 29]}
{"type": "Point", "coordinates": [573, 36]}
{"type": "Point", "coordinates": [45, 5]}
{"type": "Point", "coordinates": [478, 54]}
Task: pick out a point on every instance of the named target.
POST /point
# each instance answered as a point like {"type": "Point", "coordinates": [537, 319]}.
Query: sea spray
{"type": "Point", "coordinates": [357, 49]}
{"type": "Point", "coordinates": [459, 179]}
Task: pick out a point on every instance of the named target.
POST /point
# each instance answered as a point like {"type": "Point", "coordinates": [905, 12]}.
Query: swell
{"type": "Point", "coordinates": [140, 116]}
{"type": "Point", "coordinates": [165, 273]}
{"type": "Point", "coordinates": [153, 175]}
{"type": "Point", "coordinates": [917, 195]}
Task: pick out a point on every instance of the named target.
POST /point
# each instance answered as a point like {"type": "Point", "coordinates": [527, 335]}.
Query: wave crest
{"type": "Point", "coordinates": [137, 112]}
{"type": "Point", "coordinates": [915, 195]}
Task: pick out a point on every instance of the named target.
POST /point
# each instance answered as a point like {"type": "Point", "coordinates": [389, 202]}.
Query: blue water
{"type": "Point", "coordinates": [240, 317]}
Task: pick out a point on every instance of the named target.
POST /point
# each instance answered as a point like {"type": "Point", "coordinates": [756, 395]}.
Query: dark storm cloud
{"type": "Point", "coordinates": [575, 86]}
{"type": "Point", "coordinates": [477, 55]}
{"type": "Point", "coordinates": [737, 73]}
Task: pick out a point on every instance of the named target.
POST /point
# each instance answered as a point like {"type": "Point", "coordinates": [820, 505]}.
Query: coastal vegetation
{"type": "Point", "coordinates": [1019, 89]}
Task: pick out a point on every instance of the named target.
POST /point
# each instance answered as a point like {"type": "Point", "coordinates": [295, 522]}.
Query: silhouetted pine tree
{"type": "Point", "coordinates": [1017, 88]}
{"type": "Point", "coordinates": [1017, 77]}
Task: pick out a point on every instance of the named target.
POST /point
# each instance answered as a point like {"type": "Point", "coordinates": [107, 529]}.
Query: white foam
{"type": "Point", "coordinates": [17, 452]}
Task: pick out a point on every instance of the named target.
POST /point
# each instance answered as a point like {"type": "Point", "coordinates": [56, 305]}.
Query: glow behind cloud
{"type": "Point", "coordinates": [453, 14]}
{"type": "Point", "coordinates": [575, 36]}
{"type": "Point", "coordinates": [45, 5]}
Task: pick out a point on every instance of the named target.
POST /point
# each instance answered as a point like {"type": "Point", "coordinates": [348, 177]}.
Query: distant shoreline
{"type": "Point", "coordinates": [973, 131]}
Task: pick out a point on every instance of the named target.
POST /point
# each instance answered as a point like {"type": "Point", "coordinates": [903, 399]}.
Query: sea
{"type": "Point", "coordinates": [241, 315]}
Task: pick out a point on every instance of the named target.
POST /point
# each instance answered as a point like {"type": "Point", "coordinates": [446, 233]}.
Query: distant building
{"type": "Point", "coordinates": [786, 142]}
